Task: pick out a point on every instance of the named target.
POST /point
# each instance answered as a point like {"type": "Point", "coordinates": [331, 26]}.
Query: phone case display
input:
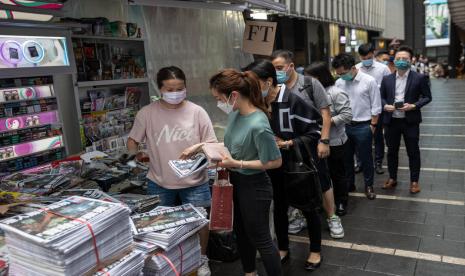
{"type": "Point", "coordinates": [30, 129]}
{"type": "Point", "coordinates": [32, 51]}
{"type": "Point", "coordinates": [28, 148]}
{"type": "Point", "coordinates": [26, 93]}
{"type": "Point", "coordinates": [108, 115]}
{"type": "Point", "coordinates": [107, 60]}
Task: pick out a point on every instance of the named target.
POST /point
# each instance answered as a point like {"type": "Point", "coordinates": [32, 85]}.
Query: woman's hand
{"type": "Point", "coordinates": [229, 162]}
{"type": "Point", "coordinates": [190, 151]}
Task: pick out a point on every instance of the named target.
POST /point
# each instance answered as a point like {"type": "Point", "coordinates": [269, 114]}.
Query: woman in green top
{"type": "Point", "coordinates": [253, 148]}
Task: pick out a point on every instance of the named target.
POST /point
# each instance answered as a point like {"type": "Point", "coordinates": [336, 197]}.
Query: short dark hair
{"type": "Point", "coordinates": [264, 70]}
{"type": "Point", "coordinates": [320, 71]}
{"type": "Point", "coordinates": [345, 60]}
{"type": "Point", "coordinates": [365, 49]}
{"type": "Point", "coordinates": [382, 52]}
{"type": "Point", "coordinates": [285, 54]}
{"type": "Point", "coordinates": [405, 48]}
{"type": "Point", "coordinates": [170, 73]}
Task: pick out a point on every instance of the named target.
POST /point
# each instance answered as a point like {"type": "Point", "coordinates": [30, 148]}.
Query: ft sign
{"type": "Point", "coordinates": [259, 37]}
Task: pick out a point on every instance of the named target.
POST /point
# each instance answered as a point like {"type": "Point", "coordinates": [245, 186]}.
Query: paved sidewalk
{"type": "Point", "coordinates": [401, 234]}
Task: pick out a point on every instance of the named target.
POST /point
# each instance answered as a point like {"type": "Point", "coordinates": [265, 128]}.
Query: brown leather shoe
{"type": "Point", "coordinates": [414, 188]}
{"type": "Point", "coordinates": [370, 193]}
{"type": "Point", "coordinates": [390, 184]}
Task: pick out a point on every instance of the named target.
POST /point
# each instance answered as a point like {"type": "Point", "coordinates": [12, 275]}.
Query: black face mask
{"type": "Point", "coordinates": [391, 58]}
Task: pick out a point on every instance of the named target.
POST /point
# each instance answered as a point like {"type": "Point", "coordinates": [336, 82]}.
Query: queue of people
{"type": "Point", "coordinates": [275, 117]}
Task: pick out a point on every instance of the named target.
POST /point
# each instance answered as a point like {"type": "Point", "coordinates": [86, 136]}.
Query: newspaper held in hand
{"type": "Point", "coordinates": [171, 217]}
{"type": "Point", "coordinates": [215, 152]}
{"type": "Point", "coordinates": [188, 167]}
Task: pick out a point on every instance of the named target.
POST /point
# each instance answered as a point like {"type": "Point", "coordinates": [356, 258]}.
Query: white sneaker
{"type": "Point", "coordinates": [204, 269]}
{"type": "Point", "coordinates": [335, 227]}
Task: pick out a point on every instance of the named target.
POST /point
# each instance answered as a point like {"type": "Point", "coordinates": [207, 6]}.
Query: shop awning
{"type": "Point", "coordinates": [238, 5]}
{"type": "Point", "coordinates": [457, 12]}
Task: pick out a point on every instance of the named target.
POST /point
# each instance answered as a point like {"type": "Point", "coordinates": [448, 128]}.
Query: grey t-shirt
{"type": "Point", "coordinates": [319, 93]}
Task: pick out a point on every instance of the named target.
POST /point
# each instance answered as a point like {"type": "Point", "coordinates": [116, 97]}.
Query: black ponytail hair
{"type": "Point", "coordinates": [170, 73]}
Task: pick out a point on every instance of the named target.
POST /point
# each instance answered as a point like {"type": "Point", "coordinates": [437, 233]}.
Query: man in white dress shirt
{"type": "Point", "coordinates": [377, 70]}
{"type": "Point", "coordinates": [365, 101]}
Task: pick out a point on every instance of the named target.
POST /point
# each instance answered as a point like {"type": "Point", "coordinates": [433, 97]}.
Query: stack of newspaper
{"type": "Point", "coordinates": [185, 168]}
{"type": "Point", "coordinates": [180, 260]}
{"type": "Point", "coordinates": [138, 203]}
{"type": "Point", "coordinates": [37, 184]}
{"type": "Point", "coordinates": [166, 227]}
{"type": "Point", "coordinates": [131, 264]}
{"type": "Point", "coordinates": [70, 237]}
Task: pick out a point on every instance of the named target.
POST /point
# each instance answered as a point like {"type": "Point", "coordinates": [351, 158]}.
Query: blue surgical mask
{"type": "Point", "coordinates": [367, 62]}
{"type": "Point", "coordinates": [385, 62]}
{"type": "Point", "coordinates": [402, 65]}
{"type": "Point", "coordinates": [282, 76]}
{"type": "Point", "coordinates": [348, 76]}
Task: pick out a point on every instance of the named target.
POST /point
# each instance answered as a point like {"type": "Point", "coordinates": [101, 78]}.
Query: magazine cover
{"type": "Point", "coordinates": [43, 226]}
{"type": "Point", "coordinates": [167, 218]}
{"type": "Point", "coordinates": [132, 95]}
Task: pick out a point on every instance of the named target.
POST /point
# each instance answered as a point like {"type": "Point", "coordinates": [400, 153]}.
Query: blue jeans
{"type": "Point", "coordinates": [198, 196]}
{"type": "Point", "coordinates": [360, 140]}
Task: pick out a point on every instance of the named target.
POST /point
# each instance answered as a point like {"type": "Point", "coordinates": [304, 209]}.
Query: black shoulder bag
{"type": "Point", "coordinates": [303, 189]}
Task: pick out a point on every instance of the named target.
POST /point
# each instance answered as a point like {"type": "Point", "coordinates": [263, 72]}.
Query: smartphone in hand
{"type": "Point", "coordinates": [399, 105]}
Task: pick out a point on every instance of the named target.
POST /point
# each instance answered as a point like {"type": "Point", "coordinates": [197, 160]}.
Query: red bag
{"type": "Point", "coordinates": [221, 212]}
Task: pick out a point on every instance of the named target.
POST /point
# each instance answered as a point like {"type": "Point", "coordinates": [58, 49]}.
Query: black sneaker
{"type": "Point", "coordinates": [379, 169]}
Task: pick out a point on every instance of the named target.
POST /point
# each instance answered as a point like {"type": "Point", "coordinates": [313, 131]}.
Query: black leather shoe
{"type": "Point", "coordinates": [286, 258]}
{"type": "Point", "coordinates": [312, 266]}
{"type": "Point", "coordinates": [357, 169]}
{"type": "Point", "coordinates": [379, 169]}
{"type": "Point", "coordinates": [341, 210]}
{"type": "Point", "coordinates": [370, 193]}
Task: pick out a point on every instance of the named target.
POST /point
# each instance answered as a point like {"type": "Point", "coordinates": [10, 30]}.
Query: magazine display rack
{"type": "Point", "coordinates": [111, 86]}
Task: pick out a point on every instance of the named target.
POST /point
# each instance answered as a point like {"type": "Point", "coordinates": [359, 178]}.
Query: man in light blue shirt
{"type": "Point", "coordinates": [365, 102]}
{"type": "Point", "coordinates": [377, 70]}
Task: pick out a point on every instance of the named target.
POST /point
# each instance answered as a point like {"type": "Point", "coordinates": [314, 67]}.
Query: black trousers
{"type": "Point", "coordinates": [281, 220]}
{"type": "Point", "coordinates": [411, 134]}
{"type": "Point", "coordinates": [338, 174]}
{"type": "Point", "coordinates": [252, 195]}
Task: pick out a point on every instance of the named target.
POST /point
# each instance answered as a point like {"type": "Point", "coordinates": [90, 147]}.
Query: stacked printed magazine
{"type": "Point", "coordinates": [131, 264]}
{"type": "Point", "coordinates": [166, 227]}
{"type": "Point", "coordinates": [138, 203]}
{"type": "Point", "coordinates": [74, 236]}
{"type": "Point", "coordinates": [184, 258]}
{"type": "Point", "coordinates": [169, 234]}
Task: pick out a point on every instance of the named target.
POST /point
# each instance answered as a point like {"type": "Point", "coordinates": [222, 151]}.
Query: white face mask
{"type": "Point", "coordinates": [174, 97]}
{"type": "Point", "coordinates": [226, 107]}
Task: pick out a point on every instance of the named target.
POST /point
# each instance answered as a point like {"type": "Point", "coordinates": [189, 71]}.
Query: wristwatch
{"type": "Point", "coordinates": [324, 141]}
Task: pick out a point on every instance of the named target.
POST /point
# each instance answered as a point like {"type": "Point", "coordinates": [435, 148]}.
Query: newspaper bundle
{"type": "Point", "coordinates": [69, 237]}
{"type": "Point", "coordinates": [185, 258]}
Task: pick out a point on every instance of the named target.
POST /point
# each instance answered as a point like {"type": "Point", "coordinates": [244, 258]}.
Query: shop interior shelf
{"type": "Point", "coordinates": [111, 82]}
{"type": "Point", "coordinates": [107, 38]}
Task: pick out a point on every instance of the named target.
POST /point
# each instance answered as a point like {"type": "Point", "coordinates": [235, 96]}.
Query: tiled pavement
{"type": "Point", "coordinates": [403, 226]}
